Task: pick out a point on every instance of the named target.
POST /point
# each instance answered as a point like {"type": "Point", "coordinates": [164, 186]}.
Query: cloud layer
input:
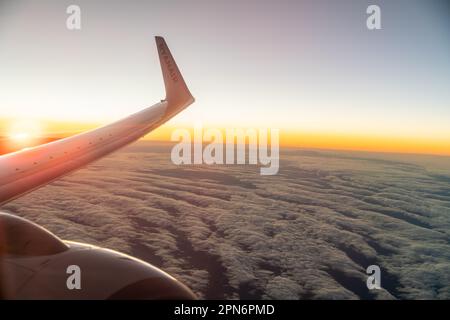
{"type": "Point", "coordinates": [227, 232]}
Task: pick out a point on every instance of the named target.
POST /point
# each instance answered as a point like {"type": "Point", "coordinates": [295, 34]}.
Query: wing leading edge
{"type": "Point", "coordinates": [27, 170]}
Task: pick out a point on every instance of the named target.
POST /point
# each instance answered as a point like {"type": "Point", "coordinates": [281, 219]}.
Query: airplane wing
{"type": "Point", "coordinates": [27, 170]}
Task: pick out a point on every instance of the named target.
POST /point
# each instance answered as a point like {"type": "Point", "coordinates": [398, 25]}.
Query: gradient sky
{"type": "Point", "coordinates": [310, 68]}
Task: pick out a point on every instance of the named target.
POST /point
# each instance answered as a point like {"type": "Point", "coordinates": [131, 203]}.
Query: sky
{"type": "Point", "coordinates": [309, 68]}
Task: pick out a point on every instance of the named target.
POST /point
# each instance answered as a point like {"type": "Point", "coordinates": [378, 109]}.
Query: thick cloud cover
{"type": "Point", "coordinates": [227, 232]}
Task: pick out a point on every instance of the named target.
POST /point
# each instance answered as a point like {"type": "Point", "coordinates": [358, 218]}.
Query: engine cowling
{"type": "Point", "coordinates": [34, 264]}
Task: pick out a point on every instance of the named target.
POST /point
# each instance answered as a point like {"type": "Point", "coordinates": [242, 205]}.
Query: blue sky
{"type": "Point", "coordinates": [302, 65]}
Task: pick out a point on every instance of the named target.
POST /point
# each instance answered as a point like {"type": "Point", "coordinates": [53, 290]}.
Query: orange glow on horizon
{"type": "Point", "coordinates": [363, 142]}
{"type": "Point", "coordinates": [288, 138]}
{"type": "Point", "coordinates": [23, 132]}
{"type": "Point", "coordinates": [342, 141]}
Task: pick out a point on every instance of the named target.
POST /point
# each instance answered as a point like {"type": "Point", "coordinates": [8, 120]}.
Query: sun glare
{"type": "Point", "coordinates": [24, 132]}
{"type": "Point", "coordinates": [20, 137]}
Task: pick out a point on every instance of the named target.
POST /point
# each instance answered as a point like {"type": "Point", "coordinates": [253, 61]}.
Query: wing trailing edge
{"type": "Point", "coordinates": [24, 171]}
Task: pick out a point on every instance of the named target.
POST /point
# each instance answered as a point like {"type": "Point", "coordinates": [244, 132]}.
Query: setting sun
{"type": "Point", "coordinates": [24, 131]}
{"type": "Point", "coordinates": [20, 137]}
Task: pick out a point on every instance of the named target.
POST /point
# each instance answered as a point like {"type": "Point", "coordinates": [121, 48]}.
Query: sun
{"type": "Point", "coordinates": [20, 137]}
{"type": "Point", "coordinates": [24, 132]}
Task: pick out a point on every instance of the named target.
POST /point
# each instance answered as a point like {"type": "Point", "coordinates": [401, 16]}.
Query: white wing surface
{"type": "Point", "coordinates": [26, 170]}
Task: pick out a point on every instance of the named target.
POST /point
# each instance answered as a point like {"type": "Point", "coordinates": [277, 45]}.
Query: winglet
{"type": "Point", "coordinates": [177, 92]}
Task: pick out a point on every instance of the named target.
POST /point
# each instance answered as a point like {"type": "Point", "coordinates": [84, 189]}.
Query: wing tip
{"type": "Point", "coordinates": [177, 91]}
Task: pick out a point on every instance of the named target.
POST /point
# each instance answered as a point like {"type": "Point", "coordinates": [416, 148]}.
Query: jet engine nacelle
{"type": "Point", "coordinates": [35, 264]}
